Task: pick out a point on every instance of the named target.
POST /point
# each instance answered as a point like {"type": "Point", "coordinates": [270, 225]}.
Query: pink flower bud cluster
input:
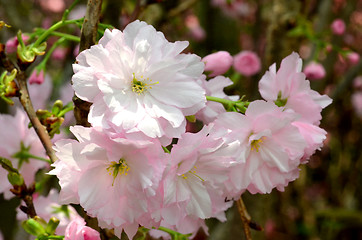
{"type": "Point", "coordinates": [142, 88]}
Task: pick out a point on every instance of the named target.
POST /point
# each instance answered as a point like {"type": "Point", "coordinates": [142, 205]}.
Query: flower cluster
{"type": "Point", "coordinates": [142, 89]}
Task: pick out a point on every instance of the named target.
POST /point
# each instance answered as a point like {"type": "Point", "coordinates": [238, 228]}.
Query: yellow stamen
{"type": "Point", "coordinates": [119, 168]}
{"type": "Point", "coordinates": [141, 85]}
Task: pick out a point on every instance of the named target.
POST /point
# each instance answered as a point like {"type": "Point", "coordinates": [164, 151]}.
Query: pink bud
{"type": "Point", "coordinates": [12, 44]}
{"type": "Point", "coordinates": [76, 230]}
{"type": "Point", "coordinates": [353, 58]}
{"type": "Point", "coordinates": [247, 63]}
{"type": "Point", "coordinates": [314, 71]}
{"type": "Point", "coordinates": [36, 77]}
{"type": "Point", "coordinates": [218, 63]}
{"type": "Point", "coordinates": [338, 26]}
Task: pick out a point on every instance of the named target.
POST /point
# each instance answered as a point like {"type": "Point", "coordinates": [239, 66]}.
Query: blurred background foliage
{"type": "Point", "coordinates": [325, 202]}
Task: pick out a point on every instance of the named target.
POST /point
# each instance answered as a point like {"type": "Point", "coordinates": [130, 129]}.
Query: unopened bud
{"type": "Point", "coordinates": [15, 179]}
{"type": "Point", "coordinates": [33, 227]}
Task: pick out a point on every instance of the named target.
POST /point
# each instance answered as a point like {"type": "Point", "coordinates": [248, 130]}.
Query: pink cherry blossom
{"type": "Point", "coordinates": [139, 82]}
{"type": "Point", "coordinates": [338, 26]}
{"type": "Point", "coordinates": [314, 71]}
{"type": "Point", "coordinates": [111, 179]}
{"type": "Point", "coordinates": [53, 5]}
{"type": "Point", "coordinates": [313, 135]}
{"type": "Point", "coordinates": [77, 230]}
{"type": "Point", "coordinates": [14, 136]}
{"type": "Point", "coordinates": [214, 87]}
{"type": "Point", "coordinates": [36, 77]}
{"type": "Point", "coordinates": [218, 63]}
{"type": "Point", "coordinates": [194, 181]}
{"type": "Point", "coordinates": [289, 88]}
{"type": "Point", "coordinates": [247, 63]}
{"type": "Point", "coordinates": [270, 147]}
{"type": "Point", "coordinates": [47, 207]}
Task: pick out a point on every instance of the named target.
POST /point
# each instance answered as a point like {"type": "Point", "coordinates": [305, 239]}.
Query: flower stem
{"type": "Point", "coordinates": [245, 218]}
{"type": "Point", "coordinates": [52, 29]}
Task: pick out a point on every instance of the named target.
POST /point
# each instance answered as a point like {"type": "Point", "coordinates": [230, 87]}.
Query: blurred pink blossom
{"type": "Point", "coordinates": [218, 63]}
{"type": "Point", "coordinates": [356, 99]}
{"type": "Point", "coordinates": [15, 136]}
{"type": "Point", "coordinates": [12, 44]}
{"type": "Point", "coordinates": [59, 53]}
{"type": "Point", "coordinates": [338, 26]}
{"type": "Point", "coordinates": [314, 71]}
{"type": "Point", "coordinates": [353, 58]}
{"type": "Point", "coordinates": [55, 6]}
{"type": "Point", "coordinates": [77, 230]}
{"type": "Point", "coordinates": [247, 63]}
{"type": "Point", "coordinates": [193, 24]}
{"type": "Point", "coordinates": [357, 82]}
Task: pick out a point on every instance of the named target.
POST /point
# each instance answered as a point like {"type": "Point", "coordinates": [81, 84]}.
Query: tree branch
{"type": "Point", "coordinates": [28, 106]}
{"type": "Point", "coordinates": [245, 218]}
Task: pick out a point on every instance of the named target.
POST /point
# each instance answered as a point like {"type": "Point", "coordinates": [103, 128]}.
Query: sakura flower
{"type": "Point", "coordinates": [214, 87]}
{"type": "Point", "coordinates": [110, 179]}
{"type": "Point", "coordinates": [194, 182]}
{"type": "Point", "coordinates": [139, 82]}
{"type": "Point", "coordinates": [77, 230]}
{"type": "Point", "coordinates": [313, 135]}
{"type": "Point", "coordinates": [314, 71]}
{"type": "Point", "coordinates": [218, 63]}
{"type": "Point", "coordinates": [338, 26]}
{"type": "Point", "coordinates": [47, 207]}
{"type": "Point", "coordinates": [16, 138]}
{"type": "Point", "coordinates": [247, 63]}
{"type": "Point", "coordinates": [289, 88]}
{"type": "Point", "coordinates": [271, 148]}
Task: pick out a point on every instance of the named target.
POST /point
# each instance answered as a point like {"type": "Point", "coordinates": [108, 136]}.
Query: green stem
{"type": "Point", "coordinates": [29, 155]}
{"type": "Point", "coordinates": [20, 39]}
{"type": "Point", "coordinates": [66, 36]}
{"type": "Point", "coordinates": [165, 150]}
{"type": "Point", "coordinates": [67, 11]}
{"type": "Point", "coordinates": [220, 100]}
{"type": "Point", "coordinates": [49, 53]}
{"type": "Point", "coordinates": [52, 29]}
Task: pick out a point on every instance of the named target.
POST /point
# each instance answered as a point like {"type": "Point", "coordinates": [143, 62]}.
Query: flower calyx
{"type": "Point", "coordinates": [8, 87]}
{"type": "Point", "coordinates": [52, 120]}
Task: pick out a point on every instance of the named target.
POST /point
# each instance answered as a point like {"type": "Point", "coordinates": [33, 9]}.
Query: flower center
{"type": "Point", "coordinates": [280, 102]}
{"type": "Point", "coordinates": [141, 85]}
{"type": "Point", "coordinates": [119, 167]}
{"type": "Point", "coordinates": [192, 172]}
{"type": "Point", "coordinates": [255, 144]}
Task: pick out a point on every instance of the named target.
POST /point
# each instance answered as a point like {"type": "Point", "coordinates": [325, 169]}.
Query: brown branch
{"type": "Point", "coordinates": [88, 38]}
{"type": "Point", "coordinates": [26, 194]}
{"type": "Point", "coordinates": [28, 106]}
{"type": "Point", "coordinates": [245, 218]}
